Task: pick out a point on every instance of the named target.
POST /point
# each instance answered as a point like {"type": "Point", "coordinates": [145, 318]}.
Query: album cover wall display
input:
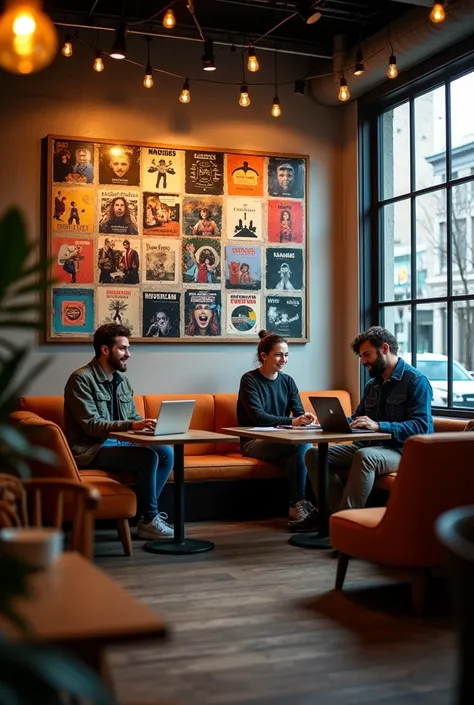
{"type": "Point", "coordinates": [178, 244]}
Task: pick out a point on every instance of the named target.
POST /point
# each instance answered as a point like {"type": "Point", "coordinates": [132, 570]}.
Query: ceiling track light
{"type": "Point", "coordinates": [169, 20]}
{"type": "Point", "coordinates": [344, 93]}
{"type": "Point", "coordinates": [392, 71]}
{"type": "Point", "coordinates": [359, 67]}
{"type": "Point", "coordinates": [308, 11]}
{"type": "Point", "coordinates": [300, 87]}
{"type": "Point", "coordinates": [185, 95]}
{"type": "Point", "coordinates": [252, 62]}
{"type": "Point", "coordinates": [438, 13]}
{"type": "Point", "coordinates": [119, 47]}
{"type": "Point", "coordinates": [208, 62]}
{"type": "Point", "coordinates": [67, 48]}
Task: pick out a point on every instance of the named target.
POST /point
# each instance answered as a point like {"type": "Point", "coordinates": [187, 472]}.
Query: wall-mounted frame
{"type": "Point", "coordinates": [180, 244]}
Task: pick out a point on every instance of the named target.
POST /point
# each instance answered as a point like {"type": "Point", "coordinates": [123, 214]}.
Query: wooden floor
{"type": "Point", "coordinates": [257, 621]}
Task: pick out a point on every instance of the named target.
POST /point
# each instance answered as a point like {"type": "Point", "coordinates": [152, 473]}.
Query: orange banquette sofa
{"type": "Point", "coordinates": [203, 462]}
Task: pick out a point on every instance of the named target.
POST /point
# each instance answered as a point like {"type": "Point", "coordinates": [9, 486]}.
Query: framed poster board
{"type": "Point", "coordinates": [179, 244]}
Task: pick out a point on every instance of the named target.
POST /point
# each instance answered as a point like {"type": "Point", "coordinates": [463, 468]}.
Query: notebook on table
{"type": "Point", "coordinates": [331, 416]}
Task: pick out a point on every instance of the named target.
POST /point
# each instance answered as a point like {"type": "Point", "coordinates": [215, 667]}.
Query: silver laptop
{"type": "Point", "coordinates": [174, 417]}
{"type": "Point", "coordinates": [331, 416]}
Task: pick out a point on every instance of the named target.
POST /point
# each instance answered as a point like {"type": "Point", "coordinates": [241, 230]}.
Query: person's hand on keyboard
{"type": "Point", "coordinates": [143, 425]}
{"type": "Point", "coordinates": [362, 422]}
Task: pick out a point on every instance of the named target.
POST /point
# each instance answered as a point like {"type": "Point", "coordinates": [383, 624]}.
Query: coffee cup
{"type": "Point", "coordinates": [39, 547]}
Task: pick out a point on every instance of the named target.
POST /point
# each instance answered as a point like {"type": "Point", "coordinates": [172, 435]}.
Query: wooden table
{"type": "Point", "coordinates": [179, 544]}
{"type": "Point", "coordinates": [319, 539]}
{"type": "Point", "coordinates": [76, 605]}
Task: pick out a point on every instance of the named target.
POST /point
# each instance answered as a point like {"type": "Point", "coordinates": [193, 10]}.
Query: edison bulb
{"type": "Point", "coordinates": [392, 71]}
{"type": "Point", "coordinates": [244, 100]}
{"type": "Point", "coordinates": [169, 20]}
{"type": "Point", "coordinates": [252, 62]}
{"type": "Point", "coordinates": [437, 14]}
{"type": "Point", "coordinates": [185, 95]}
{"type": "Point", "coordinates": [344, 93]}
{"type": "Point", "coordinates": [98, 64]}
{"type": "Point", "coordinates": [67, 49]}
{"type": "Point", "coordinates": [28, 38]}
{"type": "Point", "coordinates": [276, 110]}
{"type": "Point", "coordinates": [148, 80]}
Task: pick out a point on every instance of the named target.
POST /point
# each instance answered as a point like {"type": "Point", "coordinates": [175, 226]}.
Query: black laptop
{"type": "Point", "coordinates": [331, 416]}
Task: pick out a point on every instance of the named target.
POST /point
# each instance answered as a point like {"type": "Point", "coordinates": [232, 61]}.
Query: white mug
{"type": "Point", "coordinates": [37, 546]}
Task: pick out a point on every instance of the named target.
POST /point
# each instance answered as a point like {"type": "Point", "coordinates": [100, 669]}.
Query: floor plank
{"type": "Point", "coordinates": [256, 622]}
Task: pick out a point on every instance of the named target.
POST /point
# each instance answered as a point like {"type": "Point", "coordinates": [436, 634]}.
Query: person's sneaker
{"type": "Point", "coordinates": [300, 510]}
{"type": "Point", "coordinates": [304, 516]}
{"type": "Point", "coordinates": [157, 528]}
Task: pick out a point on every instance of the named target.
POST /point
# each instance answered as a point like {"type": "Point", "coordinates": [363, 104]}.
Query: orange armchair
{"type": "Point", "coordinates": [117, 500]}
{"type": "Point", "coordinates": [435, 475]}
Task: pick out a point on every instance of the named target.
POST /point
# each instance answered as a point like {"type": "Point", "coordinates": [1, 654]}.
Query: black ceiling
{"type": "Point", "coordinates": [242, 21]}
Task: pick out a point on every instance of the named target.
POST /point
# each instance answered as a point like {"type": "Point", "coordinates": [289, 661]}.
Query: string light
{"type": "Point", "coordinates": [252, 62]}
{"type": "Point", "coordinates": [392, 71]}
{"type": "Point", "coordinates": [244, 100]}
{"type": "Point", "coordinates": [66, 48]}
{"type": "Point", "coordinates": [276, 110]}
{"type": "Point", "coordinates": [148, 78]}
{"type": "Point", "coordinates": [119, 47]}
{"type": "Point", "coordinates": [185, 95]}
{"type": "Point", "coordinates": [169, 20]}
{"type": "Point", "coordinates": [438, 13]}
{"type": "Point", "coordinates": [28, 38]}
{"type": "Point", "coordinates": [344, 93]}
{"type": "Point", "coordinates": [98, 64]}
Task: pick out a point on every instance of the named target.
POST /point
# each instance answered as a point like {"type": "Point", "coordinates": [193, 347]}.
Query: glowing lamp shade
{"type": "Point", "coordinates": [244, 100]}
{"type": "Point", "coordinates": [438, 13]}
{"type": "Point", "coordinates": [28, 38]}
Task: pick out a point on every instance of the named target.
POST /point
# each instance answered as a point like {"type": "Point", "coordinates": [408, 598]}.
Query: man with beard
{"type": "Point", "coordinates": [396, 400]}
{"type": "Point", "coordinates": [98, 400]}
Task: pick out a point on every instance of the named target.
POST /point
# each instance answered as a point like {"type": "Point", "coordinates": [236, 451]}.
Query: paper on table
{"type": "Point", "coordinates": [264, 428]}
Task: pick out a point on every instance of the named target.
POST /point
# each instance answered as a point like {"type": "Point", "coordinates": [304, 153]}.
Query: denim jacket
{"type": "Point", "coordinates": [407, 405]}
{"type": "Point", "coordinates": [88, 410]}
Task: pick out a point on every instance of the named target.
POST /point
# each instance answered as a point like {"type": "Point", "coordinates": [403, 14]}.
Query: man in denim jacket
{"type": "Point", "coordinates": [397, 400]}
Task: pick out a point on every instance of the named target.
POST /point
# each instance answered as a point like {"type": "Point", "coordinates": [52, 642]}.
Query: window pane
{"type": "Point", "coordinates": [463, 334]}
{"type": "Point", "coordinates": [397, 319]}
{"type": "Point", "coordinates": [431, 245]}
{"type": "Point", "coordinates": [462, 137]}
{"type": "Point", "coordinates": [430, 138]}
{"type": "Point", "coordinates": [396, 252]}
{"type": "Point", "coordinates": [462, 239]}
{"type": "Point", "coordinates": [395, 177]}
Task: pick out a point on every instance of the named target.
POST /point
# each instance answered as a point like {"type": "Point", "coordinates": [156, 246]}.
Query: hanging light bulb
{"type": "Point", "coordinates": [276, 110]}
{"type": "Point", "coordinates": [98, 64]}
{"type": "Point", "coordinates": [169, 20]}
{"type": "Point", "coordinates": [185, 95]}
{"type": "Point", "coordinates": [359, 68]}
{"type": "Point", "coordinates": [438, 13]}
{"type": "Point", "coordinates": [392, 71]}
{"type": "Point", "coordinates": [252, 62]}
{"type": "Point", "coordinates": [148, 78]}
{"type": "Point", "coordinates": [343, 94]}
{"type": "Point", "coordinates": [244, 100]}
{"type": "Point", "coordinates": [67, 49]}
{"type": "Point", "coordinates": [28, 38]}
{"type": "Point", "coordinates": [119, 47]}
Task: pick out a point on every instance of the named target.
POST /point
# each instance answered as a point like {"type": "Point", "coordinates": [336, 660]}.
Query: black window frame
{"type": "Point", "coordinates": [430, 74]}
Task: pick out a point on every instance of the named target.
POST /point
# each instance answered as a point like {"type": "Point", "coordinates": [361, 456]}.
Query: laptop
{"type": "Point", "coordinates": [174, 417]}
{"type": "Point", "coordinates": [331, 416]}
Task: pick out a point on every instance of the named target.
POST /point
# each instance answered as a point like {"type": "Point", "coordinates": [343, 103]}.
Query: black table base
{"type": "Point", "coordinates": [318, 539]}
{"type": "Point", "coordinates": [187, 546]}
{"type": "Point", "coordinates": [179, 545]}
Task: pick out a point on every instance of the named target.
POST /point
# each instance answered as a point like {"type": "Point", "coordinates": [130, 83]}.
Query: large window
{"type": "Point", "coordinates": [417, 200]}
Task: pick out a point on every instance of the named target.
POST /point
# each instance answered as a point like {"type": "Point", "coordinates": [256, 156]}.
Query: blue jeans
{"type": "Point", "coordinates": [290, 457]}
{"type": "Point", "coordinates": [151, 464]}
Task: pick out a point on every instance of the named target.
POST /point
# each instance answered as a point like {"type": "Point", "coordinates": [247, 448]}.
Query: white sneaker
{"type": "Point", "coordinates": [157, 528]}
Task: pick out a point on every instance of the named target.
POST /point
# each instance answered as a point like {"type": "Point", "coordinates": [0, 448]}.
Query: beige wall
{"type": "Point", "coordinates": [69, 98]}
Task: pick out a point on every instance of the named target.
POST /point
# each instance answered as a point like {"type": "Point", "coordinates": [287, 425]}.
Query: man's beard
{"type": "Point", "coordinates": [378, 367]}
{"type": "Point", "coordinates": [115, 363]}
